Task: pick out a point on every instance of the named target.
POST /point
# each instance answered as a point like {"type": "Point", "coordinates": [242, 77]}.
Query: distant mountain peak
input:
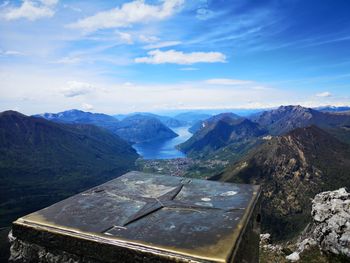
{"type": "Point", "coordinates": [330, 108]}
{"type": "Point", "coordinates": [287, 118]}
{"type": "Point", "coordinates": [140, 128]}
{"type": "Point", "coordinates": [227, 117]}
{"type": "Point", "coordinates": [75, 110]}
{"type": "Point", "coordinates": [134, 128]}
{"type": "Point", "coordinates": [227, 114]}
{"type": "Point", "coordinates": [11, 112]}
{"type": "Point", "coordinates": [140, 116]}
{"type": "Point", "coordinates": [295, 108]}
{"type": "Point", "coordinates": [220, 131]}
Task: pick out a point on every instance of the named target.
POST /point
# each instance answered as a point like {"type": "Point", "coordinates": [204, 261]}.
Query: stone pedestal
{"type": "Point", "coordinates": [144, 218]}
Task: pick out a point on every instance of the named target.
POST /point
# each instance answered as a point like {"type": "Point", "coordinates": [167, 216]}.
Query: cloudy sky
{"type": "Point", "coordinates": [152, 55]}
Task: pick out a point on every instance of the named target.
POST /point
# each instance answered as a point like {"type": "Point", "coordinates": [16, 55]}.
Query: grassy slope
{"type": "Point", "coordinates": [292, 169]}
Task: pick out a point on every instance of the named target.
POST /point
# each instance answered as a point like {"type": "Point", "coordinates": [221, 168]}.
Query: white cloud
{"type": "Point", "coordinates": [73, 8]}
{"type": "Point", "coordinates": [31, 10]}
{"type": "Point", "coordinates": [178, 57]}
{"type": "Point", "coordinates": [10, 53]}
{"type": "Point", "coordinates": [261, 88]}
{"type": "Point", "coordinates": [77, 88]}
{"type": "Point", "coordinates": [128, 84]}
{"type": "Point", "coordinates": [227, 82]}
{"type": "Point", "coordinates": [162, 44]}
{"type": "Point", "coordinates": [188, 69]}
{"type": "Point", "coordinates": [87, 106]}
{"type": "Point", "coordinates": [324, 94]}
{"type": "Point", "coordinates": [148, 39]}
{"type": "Point", "coordinates": [125, 37]}
{"type": "Point", "coordinates": [41, 91]}
{"type": "Point", "coordinates": [129, 13]}
{"type": "Point", "coordinates": [49, 2]}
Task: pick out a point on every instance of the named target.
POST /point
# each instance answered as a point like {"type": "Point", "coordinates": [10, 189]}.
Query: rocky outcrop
{"type": "Point", "coordinates": [331, 216]}
{"type": "Point", "coordinates": [330, 229]}
{"type": "Point", "coordinates": [265, 244]}
{"type": "Point", "coordinates": [301, 246]}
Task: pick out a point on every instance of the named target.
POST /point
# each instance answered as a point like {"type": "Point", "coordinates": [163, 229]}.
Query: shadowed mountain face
{"type": "Point", "coordinates": [135, 128]}
{"type": "Point", "coordinates": [140, 128]}
{"type": "Point", "coordinates": [42, 162]}
{"type": "Point", "coordinates": [221, 131]}
{"type": "Point", "coordinates": [292, 169]}
{"type": "Point", "coordinates": [287, 118]}
{"type": "Point", "coordinates": [191, 118]}
{"type": "Point", "coordinates": [228, 117]}
{"type": "Point", "coordinates": [166, 120]}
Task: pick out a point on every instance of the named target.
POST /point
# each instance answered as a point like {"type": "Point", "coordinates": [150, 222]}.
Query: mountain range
{"type": "Point", "coordinates": [227, 135]}
{"type": "Point", "coordinates": [42, 161]}
{"type": "Point", "coordinates": [178, 120]}
{"type": "Point", "coordinates": [141, 128]}
{"type": "Point", "coordinates": [134, 128]}
{"type": "Point", "coordinates": [78, 116]}
{"type": "Point", "coordinates": [286, 118]}
{"type": "Point", "coordinates": [292, 151]}
{"type": "Point", "coordinates": [333, 108]}
{"type": "Point", "coordinates": [229, 116]}
{"type": "Point", "coordinates": [191, 118]}
{"type": "Point", "coordinates": [292, 168]}
{"type": "Point", "coordinates": [166, 120]}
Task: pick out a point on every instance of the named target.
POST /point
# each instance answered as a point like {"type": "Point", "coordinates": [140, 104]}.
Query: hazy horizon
{"type": "Point", "coordinates": [173, 112]}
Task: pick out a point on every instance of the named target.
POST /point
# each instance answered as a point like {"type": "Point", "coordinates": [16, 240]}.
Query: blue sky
{"type": "Point", "coordinates": [123, 56]}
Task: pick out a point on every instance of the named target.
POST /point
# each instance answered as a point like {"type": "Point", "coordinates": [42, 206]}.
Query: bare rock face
{"type": "Point", "coordinates": [331, 215]}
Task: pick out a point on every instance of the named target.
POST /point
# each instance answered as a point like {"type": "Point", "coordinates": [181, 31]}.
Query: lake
{"type": "Point", "coordinates": [164, 149]}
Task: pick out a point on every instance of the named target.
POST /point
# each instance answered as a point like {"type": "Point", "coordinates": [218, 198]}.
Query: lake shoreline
{"type": "Point", "coordinates": [164, 149]}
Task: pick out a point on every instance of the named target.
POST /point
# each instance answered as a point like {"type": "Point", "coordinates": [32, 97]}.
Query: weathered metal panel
{"type": "Point", "coordinates": [148, 218]}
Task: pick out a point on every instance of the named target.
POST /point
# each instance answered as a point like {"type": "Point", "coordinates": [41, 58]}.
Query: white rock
{"type": "Point", "coordinates": [265, 236]}
{"type": "Point", "coordinates": [293, 257]}
{"type": "Point", "coordinates": [306, 244]}
{"type": "Point", "coordinates": [331, 214]}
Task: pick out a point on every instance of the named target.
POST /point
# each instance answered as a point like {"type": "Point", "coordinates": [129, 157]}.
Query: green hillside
{"type": "Point", "coordinates": [42, 162]}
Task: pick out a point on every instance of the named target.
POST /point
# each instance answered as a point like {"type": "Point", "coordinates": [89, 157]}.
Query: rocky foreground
{"type": "Point", "coordinates": [331, 226]}
{"type": "Point", "coordinates": [326, 239]}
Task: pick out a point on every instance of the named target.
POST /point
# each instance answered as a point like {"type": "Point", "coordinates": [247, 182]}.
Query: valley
{"type": "Point", "coordinates": [292, 151]}
{"type": "Point", "coordinates": [216, 92]}
{"type": "Point", "coordinates": [184, 167]}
